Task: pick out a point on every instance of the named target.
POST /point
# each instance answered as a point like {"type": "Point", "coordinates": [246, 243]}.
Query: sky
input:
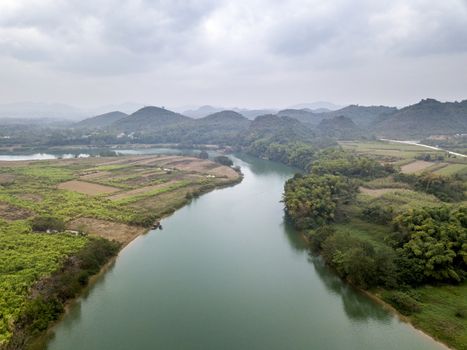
{"type": "Point", "coordinates": [244, 53]}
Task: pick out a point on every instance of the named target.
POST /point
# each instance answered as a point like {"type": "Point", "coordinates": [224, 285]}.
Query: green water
{"type": "Point", "coordinates": [227, 273]}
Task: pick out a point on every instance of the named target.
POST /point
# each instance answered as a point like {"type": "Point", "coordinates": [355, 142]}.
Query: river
{"type": "Point", "coordinates": [227, 272]}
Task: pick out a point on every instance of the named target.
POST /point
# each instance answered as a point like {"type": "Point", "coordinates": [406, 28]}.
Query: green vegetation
{"type": "Point", "coordinates": [224, 160]}
{"type": "Point", "coordinates": [406, 243]}
{"type": "Point", "coordinates": [25, 258]}
{"type": "Point", "coordinates": [43, 262]}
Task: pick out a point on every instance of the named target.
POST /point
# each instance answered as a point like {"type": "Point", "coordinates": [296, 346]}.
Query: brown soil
{"type": "Point", "coordinates": [9, 212]}
{"type": "Point", "coordinates": [6, 179]}
{"type": "Point", "coordinates": [107, 229]}
{"type": "Point", "coordinates": [415, 167]}
{"type": "Point", "coordinates": [87, 187]}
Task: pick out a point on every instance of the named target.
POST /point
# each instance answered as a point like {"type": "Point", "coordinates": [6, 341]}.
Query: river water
{"type": "Point", "coordinates": [226, 272]}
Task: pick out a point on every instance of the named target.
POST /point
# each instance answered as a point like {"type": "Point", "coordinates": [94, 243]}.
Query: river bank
{"type": "Point", "coordinates": [201, 283]}
{"type": "Point", "coordinates": [80, 204]}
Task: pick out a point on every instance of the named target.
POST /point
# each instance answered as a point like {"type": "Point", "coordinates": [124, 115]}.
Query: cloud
{"type": "Point", "coordinates": [253, 41]}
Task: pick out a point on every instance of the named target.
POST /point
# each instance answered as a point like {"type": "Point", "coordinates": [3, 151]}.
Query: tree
{"type": "Point", "coordinates": [224, 160]}
{"type": "Point", "coordinates": [203, 155]}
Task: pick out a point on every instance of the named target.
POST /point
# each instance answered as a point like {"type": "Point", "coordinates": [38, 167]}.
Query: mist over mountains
{"type": "Point", "coordinates": [209, 124]}
{"type": "Point", "coordinates": [428, 117]}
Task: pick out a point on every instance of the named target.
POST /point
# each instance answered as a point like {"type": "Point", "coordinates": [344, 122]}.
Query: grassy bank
{"type": "Point", "coordinates": [62, 220]}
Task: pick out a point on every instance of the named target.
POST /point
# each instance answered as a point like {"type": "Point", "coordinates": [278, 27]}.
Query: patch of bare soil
{"type": "Point", "coordinates": [377, 192]}
{"type": "Point", "coordinates": [9, 212]}
{"type": "Point", "coordinates": [415, 167]}
{"type": "Point", "coordinates": [141, 190]}
{"type": "Point", "coordinates": [107, 229]}
{"type": "Point", "coordinates": [87, 187]}
{"type": "Point", "coordinates": [6, 179]}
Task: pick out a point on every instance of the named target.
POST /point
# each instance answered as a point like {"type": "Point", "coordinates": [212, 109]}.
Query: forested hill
{"type": "Point", "coordinates": [341, 128]}
{"type": "Point", "coordinates": [363, 116]}
{"type": "Point", "coordinates": [423, 119]}
{"type": "Point", "coordinates": [278, 129]}
{"type": "Point", "coordinates": [147, 119]}
{"type": "Point", "coordinates": [428, 117]}
{"type": "Point", "coordinates": [101, 121]}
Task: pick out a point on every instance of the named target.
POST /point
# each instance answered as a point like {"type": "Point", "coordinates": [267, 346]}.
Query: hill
{"type": "Point", "coordinates": [101, 121]}
{"type": "Point", "coordinates": [278, 129]}
{"type": "Point", "coordinates": [428, 117]}
{"type": "Point", "coordinates": [341, 128]}
{"type": "Point", "coordinates": [218, 128]}
{"type": "Point", "coordinates": [363, 116]}
{"type": "Point", "coordinates": [303, 115]}
{"type": "Point", "coordinates": [148, 119]}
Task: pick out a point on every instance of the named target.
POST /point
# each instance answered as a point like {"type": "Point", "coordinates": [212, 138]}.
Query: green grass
{"type": "Point", "coordinates": [452, 169]}
{"type": "Point", "coordinates": [152, 193]}
{"type": "Point", "coordinates": [443, 313]}
{"type": "Point", "coordinates": [401, 200]}
{"type": "Point", "coordinates": [385, 182]}
{"type": "Point", "coordinates": [398, 153]}
{"type": "Point", "coordinates": [372, 233]}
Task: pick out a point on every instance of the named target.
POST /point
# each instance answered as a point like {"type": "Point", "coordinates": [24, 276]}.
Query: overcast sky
{"type": "Point", "coordinates": [246, 53]}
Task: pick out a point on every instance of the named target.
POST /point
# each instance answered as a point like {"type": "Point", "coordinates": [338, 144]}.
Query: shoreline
{"type": "Point", "coordinates": [40, 341]}
{"type": "Point", "coordinates": [388, 307]}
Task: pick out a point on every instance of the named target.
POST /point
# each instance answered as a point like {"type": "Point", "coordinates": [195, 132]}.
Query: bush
{"type": "Point", "coordinates": [403, 302]}
{"type": "Point", "coordinates": [45, 223]}
{"type": "Point", "coordinates": [224, 160]}
{"type": "Point", "coordinates": [203, 155]}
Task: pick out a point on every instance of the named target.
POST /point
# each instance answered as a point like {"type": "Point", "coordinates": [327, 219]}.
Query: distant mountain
{"type": "Point", "coordinates": [126, 107]}
{"type": "Point", "coordinates": [428, 117]}
{"type": "Point", "coordinates": [341, 128]}
{"type": "Point", "coordinates": [148, 119]}
{"type": "Point", "coordinates": [219, 128]}
{"type": "Point", "coordinates": [32, 110]}
{"type": "Point", "coordinates": [202, 111]}
{"type": "Point", "coordinates": [101, 121]}
{"type": "Point", "coordinates": [304, 115]}
{"type": "Point", "coordinates": [224, 118]}
{"type": "Point", "coordinates": [317, 106]}
{"type": "Point", "coordinates": [253, 113]}
{"type": "Point", "coordinates": [363, 116]}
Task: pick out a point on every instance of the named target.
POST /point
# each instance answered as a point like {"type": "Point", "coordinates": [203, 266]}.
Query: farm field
{"type": "Point", "coordinates": [56, 210]}
{"type": "Point", "coordinates": [411, 159]}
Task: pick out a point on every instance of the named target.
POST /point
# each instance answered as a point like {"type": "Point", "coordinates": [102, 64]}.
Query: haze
{"type": "Point", "coordinates": [254, 53]}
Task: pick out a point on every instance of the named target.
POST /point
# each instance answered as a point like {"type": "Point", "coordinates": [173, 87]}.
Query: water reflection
{"type": "Point", "coordinates": [296, 240]}
{"type": "Point", "coordinates": [356, 305]}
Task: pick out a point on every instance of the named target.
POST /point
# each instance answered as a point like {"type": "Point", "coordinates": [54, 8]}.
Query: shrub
{"type": "Point", "coordinates": [403, 302]}
{"type": "Point", "coordinates": [45, 223]}
{"type": "Point", "coordinates": [224, 160]}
